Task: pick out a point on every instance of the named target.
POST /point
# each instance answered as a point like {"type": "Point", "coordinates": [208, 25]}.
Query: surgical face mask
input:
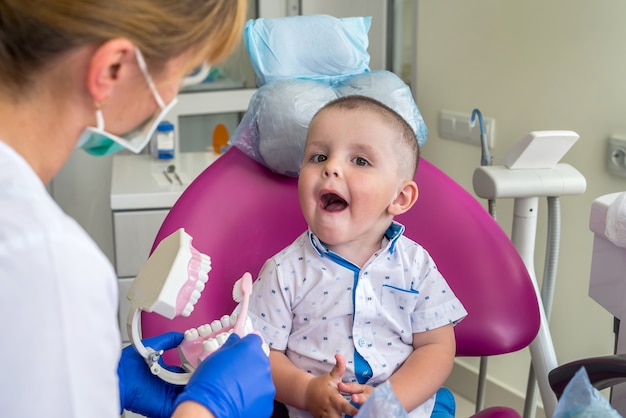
{"type": "Point", "coordinates": [97, 141]}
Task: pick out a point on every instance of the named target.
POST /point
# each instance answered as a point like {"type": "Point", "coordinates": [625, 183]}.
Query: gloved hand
{"type": "Point", "coordinates": [235, 381]}
{"type": "Point", "coordinates": [140, 390]}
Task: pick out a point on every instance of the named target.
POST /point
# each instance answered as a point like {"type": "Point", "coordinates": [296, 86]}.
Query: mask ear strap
{"type": "Point", "coordinates": [99, 117]}
{"type": "Point", "coordinates": [146, 74]}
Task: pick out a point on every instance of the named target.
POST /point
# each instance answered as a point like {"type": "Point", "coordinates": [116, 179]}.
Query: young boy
{"type": "Point", "coordinates": [352, 302]}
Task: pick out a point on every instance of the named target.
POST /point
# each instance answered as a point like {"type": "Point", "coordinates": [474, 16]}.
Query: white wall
{"type": "Point", "coordinates": [533, 65]}
{"type": "Point", "coordinates": [83, 190]}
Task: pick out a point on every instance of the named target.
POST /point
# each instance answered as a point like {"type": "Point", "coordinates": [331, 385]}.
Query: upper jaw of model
{"type": "Point", "coordinates": [170, 284]}
{"type": "Point", "coordinates": [173, 278]}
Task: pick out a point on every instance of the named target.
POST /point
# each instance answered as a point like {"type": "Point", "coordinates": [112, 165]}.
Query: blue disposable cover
{"type": "Point", "coordinates": [382, 403]}
{"type": "Point", "coordinates": [581, 400]}
{"type": "Point", "coordinates": [311, 47]}
{"type": "Point", "coordinates": [302, 63]}
{"type": "Point", "coordinates": [273, 129]}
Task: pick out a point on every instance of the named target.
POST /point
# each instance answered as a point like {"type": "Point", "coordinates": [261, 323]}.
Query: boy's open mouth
{"type": "Point", "coordinates": [333, 202]}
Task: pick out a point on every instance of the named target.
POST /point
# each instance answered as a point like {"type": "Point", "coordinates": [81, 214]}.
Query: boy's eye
{"type": "Point", "coordinates": [360, 161]}
{"type": "Point", "coordinates": [318, 158]}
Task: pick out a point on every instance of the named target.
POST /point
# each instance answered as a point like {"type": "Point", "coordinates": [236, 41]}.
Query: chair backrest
{"type": "Point", "coordinates": [239, 213]}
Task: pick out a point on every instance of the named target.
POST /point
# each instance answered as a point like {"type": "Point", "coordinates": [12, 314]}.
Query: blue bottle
{"type": "Point", "coordinates": [165, 141]}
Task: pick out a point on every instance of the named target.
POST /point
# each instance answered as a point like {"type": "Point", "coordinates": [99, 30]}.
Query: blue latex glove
{"type": "Point", "coordinates": [140, 390]}
{"type": "Point", "coordinates": [235, 381]}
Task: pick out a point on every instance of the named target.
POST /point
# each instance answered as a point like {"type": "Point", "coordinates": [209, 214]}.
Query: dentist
{"type": "Point", "coordinates": [99, 75]}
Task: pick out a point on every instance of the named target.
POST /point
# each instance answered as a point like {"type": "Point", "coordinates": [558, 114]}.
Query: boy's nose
{"type": "Point", "coordinates": [331, 170]}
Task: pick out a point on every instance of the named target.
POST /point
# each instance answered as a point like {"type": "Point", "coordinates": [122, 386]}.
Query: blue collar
{"type": "Point", "coordinates": [392, 234]}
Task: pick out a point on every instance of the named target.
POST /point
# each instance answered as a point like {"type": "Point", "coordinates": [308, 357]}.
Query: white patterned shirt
{"type": "Point", "coordinates": [312, 303]}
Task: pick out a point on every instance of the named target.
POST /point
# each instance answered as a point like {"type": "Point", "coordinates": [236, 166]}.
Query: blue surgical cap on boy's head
{"type": "Point", "coordinates": [302, 63]}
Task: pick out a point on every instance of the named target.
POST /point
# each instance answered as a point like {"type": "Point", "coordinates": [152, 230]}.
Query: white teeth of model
{"type": "Point", "coordinates": [200, 285]}
{"type": "Point", "coordinates": [221, 338]}
{"type": "Point", "coordinates": [188, 310]}
{"type": "Point", "coordinates": [233, 320]}
{"type": "Point", "coordinates": [204, 330]}
{"type": "Point", "coordinates": [191, 334]}
{"type": "Point", "coordinates": [225, 321]}
{"type": "Point", "coordinates": [210, 345]}
{"type": "Point", "coordinates": [205, 267]}
{"type": "Point", "coordinates": [195, 295]}
{"type": "Point", "coordinates": [216, 325]}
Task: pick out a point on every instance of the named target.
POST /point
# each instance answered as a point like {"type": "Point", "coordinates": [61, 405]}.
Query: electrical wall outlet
{"type": "Point", "coordinates": [293, 7]}
{"type": "Point", "coordinates": [456, 127]}
{"type": "Point", "coordinates": [616, 156]}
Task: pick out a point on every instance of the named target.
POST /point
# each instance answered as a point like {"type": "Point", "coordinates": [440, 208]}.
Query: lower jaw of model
{"type": "Point", "coordinates": [170, 284]}
{"type": "Point", "coordinates": [200, 342]}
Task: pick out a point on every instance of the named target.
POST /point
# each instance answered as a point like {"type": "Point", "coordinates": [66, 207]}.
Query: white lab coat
{"type": "Point", "coordinates": [60, 343]}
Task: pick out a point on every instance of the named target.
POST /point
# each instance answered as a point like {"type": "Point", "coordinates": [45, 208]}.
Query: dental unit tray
{"type": "Point", "coordinates": [170, 284]}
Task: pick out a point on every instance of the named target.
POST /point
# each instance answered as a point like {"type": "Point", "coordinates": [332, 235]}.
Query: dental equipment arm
{"type": "Point", "coordinates": [530, 170]}
{"type": "Point", "coordinates": [485, 160]}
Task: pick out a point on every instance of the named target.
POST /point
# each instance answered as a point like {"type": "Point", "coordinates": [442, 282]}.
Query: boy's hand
{"type": "Point", "coordinates": [323, 399]}
{"type": "Point", "coordinates": [359, 393]}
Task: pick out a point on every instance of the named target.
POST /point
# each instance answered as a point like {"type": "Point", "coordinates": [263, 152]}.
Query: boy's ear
{"type": "Point", "coordinates": [405, 200]}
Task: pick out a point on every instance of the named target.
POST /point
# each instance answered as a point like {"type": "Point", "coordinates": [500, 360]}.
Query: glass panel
{"type": "Point", "coordinates": [234, 73]}
{"type": "Point", "coordinates": [207, 133]}
{"type": "Point", "coordinates": [407, 41]}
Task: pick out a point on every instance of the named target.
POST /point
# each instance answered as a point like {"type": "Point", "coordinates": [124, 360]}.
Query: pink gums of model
{"type": "Point", "coordinates": [193, 287]}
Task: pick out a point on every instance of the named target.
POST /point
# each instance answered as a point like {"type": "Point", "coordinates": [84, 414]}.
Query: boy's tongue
{"type": "Point", "coordinates": [333, 203]}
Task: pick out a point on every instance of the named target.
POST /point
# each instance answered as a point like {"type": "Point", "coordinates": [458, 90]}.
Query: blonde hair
{"type": "Point", "coordinates": [406, 136]}
{"type": "Point", "coordinates": [35, 32]}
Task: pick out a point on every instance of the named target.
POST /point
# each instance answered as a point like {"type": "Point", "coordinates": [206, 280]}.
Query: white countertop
{"type": "Point", "coordinates": [599, 209]}
{"type": "Point", "coordinates": [138, 181]}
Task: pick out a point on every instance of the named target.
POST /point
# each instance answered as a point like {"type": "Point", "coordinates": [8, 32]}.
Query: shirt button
{"type": "Point", "coordinates": [362, 342]}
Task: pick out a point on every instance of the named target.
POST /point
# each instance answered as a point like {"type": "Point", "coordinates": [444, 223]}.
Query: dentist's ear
{"type": "Point", "coordinates": [105, 67]}
{"type": "Point", "coordinates": [406, 198]}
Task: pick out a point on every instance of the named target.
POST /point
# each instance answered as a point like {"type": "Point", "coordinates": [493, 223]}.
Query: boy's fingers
{"type": "Point", "coordinates": [339, 368]}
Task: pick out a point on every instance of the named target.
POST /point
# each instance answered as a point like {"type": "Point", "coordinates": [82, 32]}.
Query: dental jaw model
{"type": "Point", "coordinates": [200, 342]}
{"type": "Point", "coordinates": [170, 284]}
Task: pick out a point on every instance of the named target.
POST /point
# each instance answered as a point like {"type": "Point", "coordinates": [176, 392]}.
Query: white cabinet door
{"type": "Point", "coordinates": [134, 235]}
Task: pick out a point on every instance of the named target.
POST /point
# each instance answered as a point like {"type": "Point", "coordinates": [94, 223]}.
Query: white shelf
{"type": "Point", "coordinates": [138, 181]}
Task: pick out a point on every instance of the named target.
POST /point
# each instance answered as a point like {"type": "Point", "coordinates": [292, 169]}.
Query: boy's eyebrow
{"type": "Point", "coordinates": [365, 148]}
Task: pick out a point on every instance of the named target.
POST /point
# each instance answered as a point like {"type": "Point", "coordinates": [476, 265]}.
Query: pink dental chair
{"type": "Point", "coordinates": [240, 213]}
